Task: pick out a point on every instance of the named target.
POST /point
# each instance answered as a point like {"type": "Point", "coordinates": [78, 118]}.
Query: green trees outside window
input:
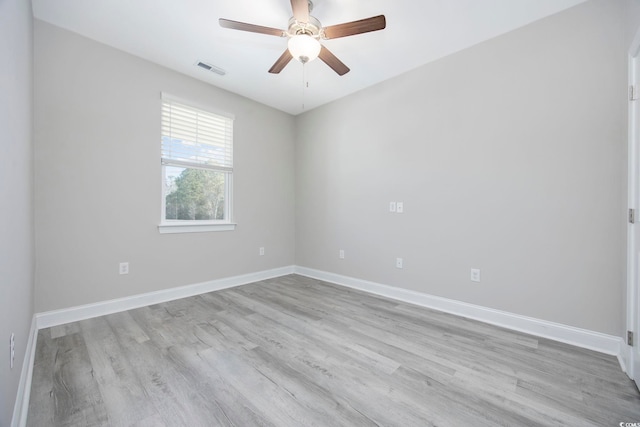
{"type": "Point", "coordinates": [195, 194]}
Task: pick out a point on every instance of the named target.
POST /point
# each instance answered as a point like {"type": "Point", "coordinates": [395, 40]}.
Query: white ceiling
{"type": "Point", "coordinates": [178, 33]}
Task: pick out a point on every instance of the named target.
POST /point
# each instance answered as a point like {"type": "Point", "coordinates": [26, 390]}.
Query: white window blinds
{"type": "Point", "coordinates": [194, 137]}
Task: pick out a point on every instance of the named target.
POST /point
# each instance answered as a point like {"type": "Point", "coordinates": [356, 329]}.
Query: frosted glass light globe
{"type": "Point", "coordinates": [304, 48]}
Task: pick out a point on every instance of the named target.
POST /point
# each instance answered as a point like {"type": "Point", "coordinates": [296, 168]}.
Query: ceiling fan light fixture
{"type": "Point", "coordinates": [304, 47]}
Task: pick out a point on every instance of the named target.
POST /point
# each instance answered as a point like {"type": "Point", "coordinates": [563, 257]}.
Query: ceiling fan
{"type": "Point", "coordinates": [305, 32]}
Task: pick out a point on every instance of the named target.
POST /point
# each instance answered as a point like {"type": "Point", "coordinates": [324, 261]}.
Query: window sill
{"type": "Point", "coordinates": [194, 228]}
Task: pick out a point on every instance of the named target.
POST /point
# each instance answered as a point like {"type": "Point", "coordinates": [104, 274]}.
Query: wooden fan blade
{"type": "Point", "coordinates": [281, 62]}
{"type": "Point", "coordinates": [355, 27]}
{"type": "Point", "coordinates": [332, 61]}
{"type": "Point", "coordinates": [300, 10]}
{"type": "Point", "coordinates": [242, 26]}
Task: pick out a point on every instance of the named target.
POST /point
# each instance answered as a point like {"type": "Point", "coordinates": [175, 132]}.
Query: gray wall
{"type": "Point", "coordinates": [509, 157]}
{"type": "Point", "coordinates": [97, 180]}
{"type": "Point", "coordinates": [16, 193]}
{"type": "Point", "coordinates": [632, 18]}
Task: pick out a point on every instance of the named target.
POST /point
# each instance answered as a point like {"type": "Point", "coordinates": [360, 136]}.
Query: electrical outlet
{"type": "Point", "coordinates": [399, 263]}
{"type": "Point", "coordinates": [475, 275]}
{"type": "Point", "coordinates": [12, 349]}
{"type": "Point", "coordinates": [261, 251]}
{"type": "Point", "coordinates": [124, 268]}
{"type": "Point", "coordinates": [392, 206]}
{"type": "Point", "coordinates": [341, 254]}
{"type": "Point", "coordinates": [399, 207]}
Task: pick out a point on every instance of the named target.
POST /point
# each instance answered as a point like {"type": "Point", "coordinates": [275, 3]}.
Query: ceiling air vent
{"type": "Point", "coordinates": [211, 68]}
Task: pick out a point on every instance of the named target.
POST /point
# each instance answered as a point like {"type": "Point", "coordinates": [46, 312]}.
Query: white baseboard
{"type": "Point", "coordinates": [623, 356]}
{"type": "Point", "coordinates": [596, 341]}
{"type": "Point", "coordinates": [82, 312]}
{"type": "Point", "coordinates": [21, 407]}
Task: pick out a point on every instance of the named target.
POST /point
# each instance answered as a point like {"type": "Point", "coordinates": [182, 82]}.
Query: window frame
{"type": "Point", "coordinates": [169, 226]}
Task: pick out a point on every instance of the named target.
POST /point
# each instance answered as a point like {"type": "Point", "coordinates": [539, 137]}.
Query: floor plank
{"type": "Point", "coordinates": [295, 351]}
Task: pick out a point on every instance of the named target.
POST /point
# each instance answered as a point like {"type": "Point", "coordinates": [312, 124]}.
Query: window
{"type": "Point", "coordinates": [197, 169]}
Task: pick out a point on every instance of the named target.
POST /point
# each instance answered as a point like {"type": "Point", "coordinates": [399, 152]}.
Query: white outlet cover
{"type": "Point", "coordinates": [399, 263]}
{"type": "Point", "coordinates": [392, 206]}
{"type": "Point", "coordinates": [124, 268]}
{"type": "Point", "coordinates": [261, 251]}
{"type": "Point", "coordinates": [400, 207]}
{"type": "Point", "coordinates": [341, 254]}
{"type": "Point", "coordinates": [475, 275]}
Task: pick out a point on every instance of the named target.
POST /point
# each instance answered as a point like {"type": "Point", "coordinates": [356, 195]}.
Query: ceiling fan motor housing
{"type": "Point", "coordinates": [311, 28]}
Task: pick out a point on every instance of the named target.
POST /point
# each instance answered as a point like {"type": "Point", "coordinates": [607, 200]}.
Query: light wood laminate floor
{"type": "Point", "coordinates": [294, 351]}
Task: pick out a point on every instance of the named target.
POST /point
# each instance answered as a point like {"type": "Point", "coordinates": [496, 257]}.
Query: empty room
{"type": "Point", "coordinates": [327, 212]}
